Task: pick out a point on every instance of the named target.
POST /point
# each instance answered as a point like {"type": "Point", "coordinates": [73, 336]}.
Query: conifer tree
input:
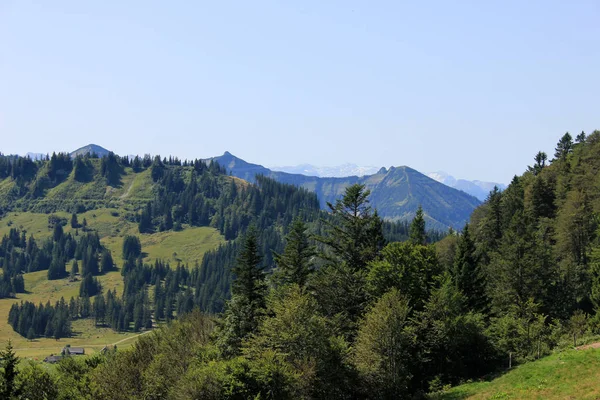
{"type": "Point", "coordinates": [466, 273]}
{"type": "Point", "coordinates": [353, 239]}
{"type": "Point", "coordinates": [74, 221]}
{"type": "Point", "coordinates": [248, 291]}
{"type": "Point", "coordinates": [417, 228]}
{"type": "Point", "coordinates": [99, 309]}
{"type": "Point", "coordinates": [540, 162]}
{"type": "Point", "coordinates": [295, 263]}
{"type": "Point", "coordinates": [564, 147]}
{"type": "Point", "coordinates": [356, 236]}
{"type": "Point", "coordinates": [9, 362]}
{"type": "Point", "coordinates": [106, 262]}
{"type": "Point", "coordinates": [74, 268]}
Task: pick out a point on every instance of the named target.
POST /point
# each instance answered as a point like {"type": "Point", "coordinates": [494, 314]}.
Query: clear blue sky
{"type": "Point", "coordinates": [472, 88]}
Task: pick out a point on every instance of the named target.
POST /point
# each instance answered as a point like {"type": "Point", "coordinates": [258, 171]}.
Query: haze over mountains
{"type": "Point", "coordinates": [339, 171]}
{"type": "Point", "coordinates": [477, 188]}
{"type": "Point", "coordinates": [396, 192]}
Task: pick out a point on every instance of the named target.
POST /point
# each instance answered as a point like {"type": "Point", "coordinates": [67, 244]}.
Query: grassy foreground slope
{"type": "Point", "coordinates": [572, 374]}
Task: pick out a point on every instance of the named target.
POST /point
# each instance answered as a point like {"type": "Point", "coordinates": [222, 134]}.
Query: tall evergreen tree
{"type": "Point", "coordinates": [295, 263]}
{"type": "Point", "coordinates": [466, 273]}
{"type": "Point", "coordinates": [106, 262]}
{"type": "Point", "coordinates": [417, 228]}
{"type": "Point", "coordinates": [564, 147]}
{"type": "Point", "coordinates": [356, 236]}
{"type": "Point", "coordinates": [248, 290]}
{"type": "Point", "coordinates": [8, 384]}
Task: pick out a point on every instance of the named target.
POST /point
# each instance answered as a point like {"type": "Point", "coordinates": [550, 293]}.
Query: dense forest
{"type": "Point", "coordinates": [184, 194]}
{"type": "Point", "coordinates": [339, 311]}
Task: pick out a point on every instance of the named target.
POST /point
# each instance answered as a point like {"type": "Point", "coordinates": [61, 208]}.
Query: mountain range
{"type": "Point", "coordinates": [340, 171]}
{"type": "Point", "coordinates": [479, 189]}
{"type": "Point", "coordinates": [396, 192]}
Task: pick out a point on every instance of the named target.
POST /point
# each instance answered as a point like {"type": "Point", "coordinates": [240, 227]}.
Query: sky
{"type": "Point", "coordinates": [474, 88]}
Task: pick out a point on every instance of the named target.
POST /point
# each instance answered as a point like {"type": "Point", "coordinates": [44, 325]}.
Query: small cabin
{"type": "Point", "coordinates": [52, 359]}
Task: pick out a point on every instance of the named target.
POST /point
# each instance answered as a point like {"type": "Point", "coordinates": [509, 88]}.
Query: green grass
{"type": "Point", "coordinates": [187, 246]}
{"type": "Point", "coordinates": [572, 374]}
{"type": "Point", "coordinates": [115, 209]}
{"type": "Point", "coordinates": [86, 335]}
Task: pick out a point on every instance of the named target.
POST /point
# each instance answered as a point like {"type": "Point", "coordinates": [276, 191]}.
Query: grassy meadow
{"type": "Point", "coordinates": [187, 246]}
{"type": "Point", "coordinates": [570, 374]}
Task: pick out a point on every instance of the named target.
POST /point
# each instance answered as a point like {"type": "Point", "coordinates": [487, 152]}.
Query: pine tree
{"type": "Point", "coordinates": [249, 276]}
{"type": "Point", "coordinates": [564, 147]}
{"type": "Point", "coordinates": [9, 362]}
{"type": "Point", "coordinates": [106, 262]}
{"type": "Point", "coordinates": [466, 273]}
{"type": "Point", "coordinates": [74, 268]}
{"type": "Point", "coordinates": [417, 228]}
{"type": "Point", "coordinates": [356, 236]}
{"type": "Point", "coordinates": [540, 162]}
{"type": "Point", "coordinates": [247, 302]}
{"type": "Point", "coordinates": [74, 221]}
{"type": "Point", "coordinates": [99, 309]}
{"type": "Point", "coordinates": [295, 263]}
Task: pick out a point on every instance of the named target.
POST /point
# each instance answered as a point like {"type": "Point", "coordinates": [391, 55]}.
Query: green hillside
{"type": "Point", "coordinates": [572, 374]}
{"type": "Point", "coordinates": [187, 246]}
{"type": "Point", "coordinates": [53, 211]}
{"type": "Point", "coordinates": [396, 192]}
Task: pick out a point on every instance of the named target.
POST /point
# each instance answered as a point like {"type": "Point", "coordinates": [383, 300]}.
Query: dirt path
{"type": "Point", "coordinates": [87, 345]}
{"type": "Point", "coordinates": [128, 191]}
{"type": "Point", "coordinates": [589, 346]}
{"type": "Point", "coordinates": [130, 337]}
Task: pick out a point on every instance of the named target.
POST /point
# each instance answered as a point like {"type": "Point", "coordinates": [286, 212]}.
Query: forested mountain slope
{"type": "Point", "coordinates": [396, 192]}
{"type": "Point", "coordinates": [344, 314]}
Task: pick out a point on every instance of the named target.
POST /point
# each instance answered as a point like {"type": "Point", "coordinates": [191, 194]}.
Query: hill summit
{"type": "Point", "coordinates": [90, 149]}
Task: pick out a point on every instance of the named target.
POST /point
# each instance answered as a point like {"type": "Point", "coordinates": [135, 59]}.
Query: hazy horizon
{"type": "Point", "coordinates": [471, 89]}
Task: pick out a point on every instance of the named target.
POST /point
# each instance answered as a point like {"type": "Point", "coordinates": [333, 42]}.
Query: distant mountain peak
{"type": "Point", "coordinates": [396, 192]}
{"type": "Point", "coordinates": [479, 189]}
{"type": "Point", "coordinates": [90, 149]}
{"type": "Point", "coordinates": [339, 171]}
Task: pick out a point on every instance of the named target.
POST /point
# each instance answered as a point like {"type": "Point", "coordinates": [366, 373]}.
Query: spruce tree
{"type": "Point", "coordinates": [466, 273]}
{"type": "Point", "coordinates": [106, 262]}
{"type": "Point", "coordinates": [9, 362]}
{"type": "Point", "coordinates": [74, 221]}
{"type": "Point", "coordinates": [564, 147]}
{"type": "Point", "coordinates": [355, 237]}
{"type": "Point", "coordinates": [295, 263]}
{"type": "Point", "coordinates": [99, 309]}
{"type": "Point", "coordinates": [247, 303]}
{"type": "Point", "coordinates": [417, 228]}
{"type": "Point", "coordinates": [249, 282]}
{"type": "Point", "coordinates": [74, 268]}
